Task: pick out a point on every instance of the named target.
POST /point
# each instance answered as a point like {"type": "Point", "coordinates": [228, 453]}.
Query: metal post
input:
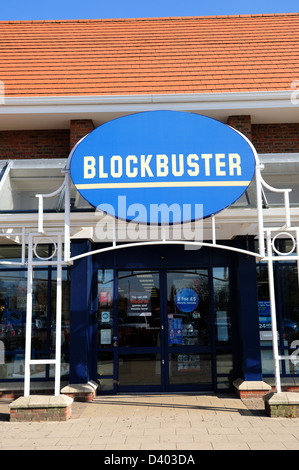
{"type": "Point", "coordinates": [273, 313]}
{"type": "Point", "coordinates": [287, 208]}
{"type": "Point", "coordinates": [213, 230]}
{"type": "Point", "coordinates": [23, 245]}
{"type": "Point", "coordinates": [259, 202]}
{"type": "Point", "coordinates": [67, 208]}
{"type": "Point", "coordinates": [58, 318]}
{"type": "Point", "coordinates": [40, 213]}
{"type": "Point", "coordinates": [28, 321]}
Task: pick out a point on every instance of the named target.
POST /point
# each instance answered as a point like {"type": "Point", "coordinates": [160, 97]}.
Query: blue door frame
{"type": "Point", "coordinates": [245, 345]}
{"type": "Point", "coordinates": [164, 350]}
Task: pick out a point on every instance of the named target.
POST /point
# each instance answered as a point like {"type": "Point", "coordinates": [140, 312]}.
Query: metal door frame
{"type": "Point", "coordinates": [164, 347]}
{"type": "Point", "coordinates": [137, 349]}
{"type": "Point", "coordinates": [194, 348]}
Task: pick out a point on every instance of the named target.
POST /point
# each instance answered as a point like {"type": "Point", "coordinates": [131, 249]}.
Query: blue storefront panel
{"type": "Point", "coordinates": [139, 336]}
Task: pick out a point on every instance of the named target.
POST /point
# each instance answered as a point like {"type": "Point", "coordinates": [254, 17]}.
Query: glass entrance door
{"type": "Point", "coordinates": [188, 344]}
{"type": "Point", "coordinates": [158, 330]}
{"type": "Point", "coordinates": [139, 330]}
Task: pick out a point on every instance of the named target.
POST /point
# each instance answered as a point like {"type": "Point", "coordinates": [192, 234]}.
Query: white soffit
{"type": "Point", "coordinates": [56, 112]}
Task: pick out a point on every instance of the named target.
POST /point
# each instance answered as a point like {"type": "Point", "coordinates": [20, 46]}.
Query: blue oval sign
{"type": "Point", "coordinates": [155, 165]}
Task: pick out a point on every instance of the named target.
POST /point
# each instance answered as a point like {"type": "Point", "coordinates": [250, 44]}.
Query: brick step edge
{"type": "Point", "coordinates": [41, 408]}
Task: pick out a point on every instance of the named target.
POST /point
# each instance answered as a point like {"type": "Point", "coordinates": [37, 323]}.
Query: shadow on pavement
{"type": "Point", "coordinates": [253, 407]}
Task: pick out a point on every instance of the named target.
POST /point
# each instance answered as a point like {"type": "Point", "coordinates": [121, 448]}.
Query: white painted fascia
{"type": "Point", "coordinates": [127, 103]}
{"type": "Point", "coordinates": [56, 112]}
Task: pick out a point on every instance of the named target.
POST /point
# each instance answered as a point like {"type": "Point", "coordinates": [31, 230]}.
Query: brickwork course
{"type": "Point", "coordinates": [57, 143]}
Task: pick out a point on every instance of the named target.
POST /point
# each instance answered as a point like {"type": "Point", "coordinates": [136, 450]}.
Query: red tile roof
{"type": "Point", "coordinates": [149, 56]}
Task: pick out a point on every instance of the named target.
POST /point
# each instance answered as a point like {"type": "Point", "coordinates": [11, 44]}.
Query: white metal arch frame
{"type": "Point", "coordinates": [266, 252]}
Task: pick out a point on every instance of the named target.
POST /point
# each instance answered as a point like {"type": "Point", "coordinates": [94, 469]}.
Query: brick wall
{"type": "Point", "coordinates": [79, 129]}
{"type": "Point", "coordinates": [40, 414]}
{"type": "Point", "coordinates": [52, 143]}
{"type": "Point", "coordinates": [275, 138]}
{"type": "Point", "coordinates": [267, 138]}
{"type": "Point", "coordinates": [34, 144]}
{"type": "Point", "coordinates": [242, 124]}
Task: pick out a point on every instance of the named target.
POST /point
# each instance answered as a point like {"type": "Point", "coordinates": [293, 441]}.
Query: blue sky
{"type": "Point", "coordinates": [75, 9]}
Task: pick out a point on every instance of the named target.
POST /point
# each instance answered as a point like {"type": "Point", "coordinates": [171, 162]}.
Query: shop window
{"type": "Point", "coordinates": [222, 306]}
{"type": "Point", "coordinates": [11, 253]}
{"type": "Point", "coordinates": [223, 327]}
{"type": "Point", "coordinates": [13, 289]}
{"type": "Point", "coordinates": [105, 318]}
{"type": "Point", "coordinates": [224, 364]}
{"type": "Point", "coordinates": [195, 368]}
{"type": "Point", "coordinates": [13, 293]}
{"type": "Point", "coordinates": [139, 369]}
{"type": "Point", "coordinates": [289, 293]}
{"type": "Point", "coordinates": [287, 316]}
{"type": "Point", "coordinates": [105, 308]}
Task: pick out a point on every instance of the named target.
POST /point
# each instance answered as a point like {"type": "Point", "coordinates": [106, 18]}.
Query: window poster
{"type": "Point", "coordinates": [105, 298]}
{"type": "Point", "coordinates": [264, 314]}
{"type": "Point", "coordinates": [222, 325]}
{"type": "Point", "coordinates": [106, 336]}
{"type": "Point", "coordinates": [105, 317]}
{"type": "Point", "coordinates": [186, 300]}
{"type": "Point", "coordinates": [265, 325]}
{"type": "Point", "coordinates": [175, 331]}
{"type": "Point", "coordinates": [139, 305]}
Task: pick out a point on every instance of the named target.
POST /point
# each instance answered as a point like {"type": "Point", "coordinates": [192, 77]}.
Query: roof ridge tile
{"type": "Point", "coordinates": [158, 18]}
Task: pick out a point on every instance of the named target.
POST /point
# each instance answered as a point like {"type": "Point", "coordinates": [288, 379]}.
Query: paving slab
{"type": "Point", "coordinates": [177, 422]}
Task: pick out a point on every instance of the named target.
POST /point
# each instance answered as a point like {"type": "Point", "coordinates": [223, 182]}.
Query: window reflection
{"type": "Point", "coordinates": [290, 315]}
{"type": "Point", "coordinates": [287, 315]}
{"type": "Point", "coordinates": [13, 290]}
{"type": "Point", "coordinates": [138, 309]}
{"type": "Point", "coordinates": [13, 299]}
{"type": "Point", "coordinates": [139, 369]}
{"type": "Point", "coordinates": [65, 321]}
{"type": "Point", "coordinates": [222, 306]}
{"type": "Point", "coordinates": [190, 368]}
{"type": "Point", "coordinates": [188, 307]}
{"type": "Point", "coordinates": [105, 308]}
